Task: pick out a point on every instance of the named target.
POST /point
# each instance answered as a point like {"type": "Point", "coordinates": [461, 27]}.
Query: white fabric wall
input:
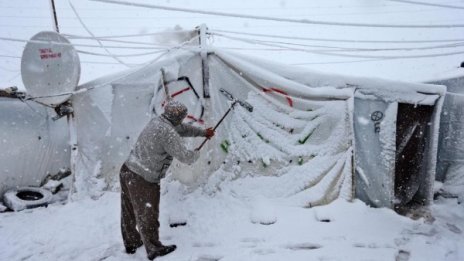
{"type": "Point", "coordinates": [32, 145]}
{"type": "Point", "coordinates": [299, 136]}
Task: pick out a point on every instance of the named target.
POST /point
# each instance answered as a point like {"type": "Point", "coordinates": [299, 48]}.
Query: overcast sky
{"type": "Point", "coordinates": [22, 19]}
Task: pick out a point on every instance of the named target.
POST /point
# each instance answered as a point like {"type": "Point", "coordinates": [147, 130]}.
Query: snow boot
{"type": "Point", "coordinates": [132, 249]}
{"type": "Point", "coordinates": [161, 251]}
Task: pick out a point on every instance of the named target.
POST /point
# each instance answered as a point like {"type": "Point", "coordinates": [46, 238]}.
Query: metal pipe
{"type": "Point", "coordinates": [55, 18]}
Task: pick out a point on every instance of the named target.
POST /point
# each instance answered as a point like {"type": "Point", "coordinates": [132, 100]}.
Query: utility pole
{"type": "Point", "coordinates": [55, 19]}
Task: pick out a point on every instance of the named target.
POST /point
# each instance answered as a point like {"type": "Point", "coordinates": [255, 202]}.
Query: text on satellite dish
{"type": "Point", "coordinates": [47, 53]}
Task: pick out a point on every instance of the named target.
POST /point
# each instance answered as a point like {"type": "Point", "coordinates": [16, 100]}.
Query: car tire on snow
{"type": "Point", "coordinates": [26, 197]}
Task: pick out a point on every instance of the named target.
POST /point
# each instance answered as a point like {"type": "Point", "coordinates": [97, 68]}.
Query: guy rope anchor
{"type": "Point", "coordinates": [229, 96]}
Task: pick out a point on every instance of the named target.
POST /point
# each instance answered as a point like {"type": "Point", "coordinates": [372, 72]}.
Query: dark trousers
{"type": "Point", "coordinates": [139, 211]}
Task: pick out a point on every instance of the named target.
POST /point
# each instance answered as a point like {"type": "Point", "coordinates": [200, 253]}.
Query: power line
{"type": "Point", "coordinates": [427, 4]}
{"type": "Point", "coordinates": [88, 31]}
{"type": "Point", "coordinates": [46, 26]}
{"type": "Point", "coordinates": [350, 49]}
{"type": "Point", "coordinates": [151, 17]}
{"type": "Point", "coordinates": [119, 55]}
{"type": "Point", "coordinates": [282, 46]}
{"type": "Point", "coordinates": [341, 40]}
{"type": "Point", "coordinates": [129, 35]}
{"type": "Point", "coordinates": [153, 46]}
{"type": "Point", "coordinates": [89, 62]}
{"type": "Point", "coordinates": [343, 54]}
{"type": "Point", "coordinates": [110, 40]}
{"type": "Point", "coordinates": [9, 56]}
{"type": "Point", "coordinates": [302, 21]}
{"type": "Point", "coordinates": [239, 8]}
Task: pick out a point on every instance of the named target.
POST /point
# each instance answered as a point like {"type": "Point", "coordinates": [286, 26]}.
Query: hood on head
{"type": "Point", "coordinates": [175, 112]}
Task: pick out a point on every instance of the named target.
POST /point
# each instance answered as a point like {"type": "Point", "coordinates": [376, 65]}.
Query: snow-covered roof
{"type": "Point", "coordinates": [315, 78]}
{"type": "Point", "coordinates": [310, 78]}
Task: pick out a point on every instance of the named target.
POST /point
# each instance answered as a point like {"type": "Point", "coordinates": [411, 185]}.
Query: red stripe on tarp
{"type": "Point", "coordinates": [289, 100]}
{"type": "Point", "coordinates": [175, 94]}
{"type": "Point", "coordinates": [179, 92]}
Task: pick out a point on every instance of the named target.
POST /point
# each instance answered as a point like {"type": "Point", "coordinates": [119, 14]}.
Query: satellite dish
{"type": "Point", "coordinates": [50, 66]}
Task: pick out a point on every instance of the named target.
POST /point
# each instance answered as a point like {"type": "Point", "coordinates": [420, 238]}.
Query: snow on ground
{"type": "Point", "coordinates": [229, 225]}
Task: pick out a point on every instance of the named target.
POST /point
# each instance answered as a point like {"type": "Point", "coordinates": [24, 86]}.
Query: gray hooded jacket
{"type": "Point", "coordinates": [160, 141]}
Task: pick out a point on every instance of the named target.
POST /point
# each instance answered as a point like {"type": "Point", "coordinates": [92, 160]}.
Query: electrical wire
{"type": "Point", "coordinates": [89, 32]}
{"type": "Point", "coordinates": [301, 21]}
{"type": "Point", "coordinates": [119, 55]}
{"type": "Point", "coordinates": [427, 4]}
{"type": "Point", "coordinates": [151, 47]}
{"type": "Point", "coordinates": [341, 40]}
{"type": "Point", "coordinates": [319, 13]}
{"type": "Point", "coordinates": [267, 7]}
{"type": "Point", "coordinates": [9, 56]}
{"type": "Point", "coordinates": [112, 40]}
{"type": "Point", "coordinates": [351, 49]}
{"type": "Point", "coordinates": [129, 35]}
{"type": "Point", "coordinates": [89, 62]}
{"type": "Point", "coordinates": [99, 46]}
{"type": "Point", "coordinates": [342, 54]}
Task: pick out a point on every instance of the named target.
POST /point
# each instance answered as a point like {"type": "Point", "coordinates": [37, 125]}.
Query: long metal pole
{"type": "Point", "coordinates": [55, 18]}
{"type": "Point", "coordinates": [74, 153]}
{"type": "Point", "coordinates": [217, 124]}
{"type": "Point", "coordinates": [204, 60]}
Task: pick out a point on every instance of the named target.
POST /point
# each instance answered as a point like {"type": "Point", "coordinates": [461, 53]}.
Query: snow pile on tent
{"type": "Point", "coordinates": [304, 155]}
{"type": "Point", "coordinates": [297, 144]}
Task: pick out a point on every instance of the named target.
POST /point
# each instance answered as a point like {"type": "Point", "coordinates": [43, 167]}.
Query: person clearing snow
{"type": "Point", "coordinates": [140, 176]}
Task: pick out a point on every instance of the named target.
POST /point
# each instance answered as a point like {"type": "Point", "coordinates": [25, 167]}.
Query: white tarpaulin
{"type": "Point", "coordinates": [450, 168]}
{"type": "Point", "coordinates": [32, 145]}
{"type": "Point", "coordinates": [299, 136]}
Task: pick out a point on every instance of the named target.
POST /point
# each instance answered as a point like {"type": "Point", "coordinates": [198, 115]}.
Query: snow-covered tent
{"type": "Point", "coordinates": [32, 144]}
{"type": "Point", "coordinates": [311, 138]}
{"type": "Point", "coordinates": [450, 168]}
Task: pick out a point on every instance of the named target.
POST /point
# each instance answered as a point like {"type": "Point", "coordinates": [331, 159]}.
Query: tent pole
{"type": "Point", "coordinates": [74, 151]}
{"type": "Point", "coordinates": [204, 60]}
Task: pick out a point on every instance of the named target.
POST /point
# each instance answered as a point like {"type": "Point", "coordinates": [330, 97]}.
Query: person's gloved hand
{"type": "Point", "coordinates": [209, 133]}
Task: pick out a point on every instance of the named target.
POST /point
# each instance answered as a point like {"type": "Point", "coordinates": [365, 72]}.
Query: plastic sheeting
{"type": "Point", "coordinates": [281, 133]}
{"type": "Point", "coordinates": [396, 150]}
{"type": "Point", "coordinates": [451, 143]}
{"type": "Point", "coordinates": [110, 117]}
{"type": "Point", "coordinates": [300, 134]}
{"type": "Point", "coordinates": [375, 131]}
{"type": "Point", "coordinates": [450, 166]}
{"type": "Point", "coordinates": [32, 145]}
